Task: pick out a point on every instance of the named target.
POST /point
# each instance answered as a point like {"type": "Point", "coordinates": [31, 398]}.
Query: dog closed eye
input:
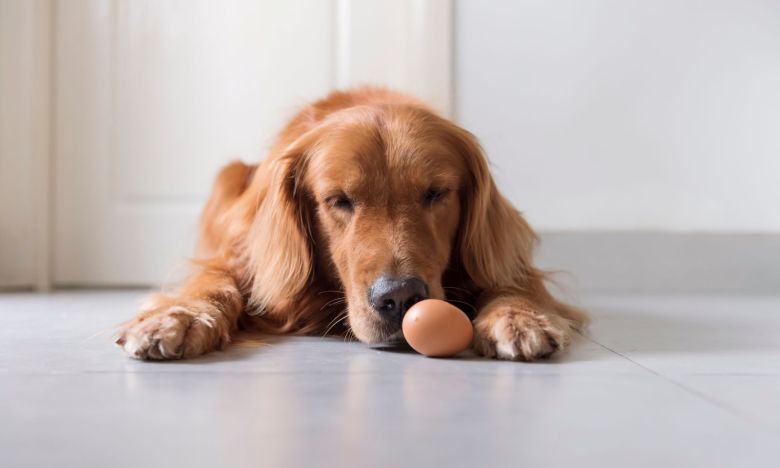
{"type": "Point", "coordinates": [340, 202]}
{"type": "Point", "coordinates": [433, 195]}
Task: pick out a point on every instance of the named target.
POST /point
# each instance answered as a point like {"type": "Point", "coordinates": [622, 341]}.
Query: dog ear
{"type": "Point", "coordinates": [495, 244]}
{"type": "Point", "coordinates": [279, 242]}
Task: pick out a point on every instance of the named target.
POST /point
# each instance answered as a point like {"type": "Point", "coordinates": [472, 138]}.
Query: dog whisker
{"type": "Point", "coordinates": [473, 309]}
{"type": "Point", "coordinates": [350, 335]}
{"type": "Point", "coordinates": [339, 319]}
{"type": "Point", "coordinates": [338, 300]}
{"type": "Point", "coordinates": [336, 317]}
{"type": "Point", "coordinates": [456, 289]}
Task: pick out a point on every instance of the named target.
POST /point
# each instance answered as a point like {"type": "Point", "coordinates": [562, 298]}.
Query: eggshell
{"type": "Point", "coordinates": [437, 329]}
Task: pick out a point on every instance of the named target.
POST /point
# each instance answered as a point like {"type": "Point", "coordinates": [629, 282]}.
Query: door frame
{"type": "Point", "coordinates": [29, 157]}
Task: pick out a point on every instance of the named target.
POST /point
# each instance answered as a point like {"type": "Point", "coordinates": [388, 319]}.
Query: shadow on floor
{"type": "Point", "coordinates": [247, 345]}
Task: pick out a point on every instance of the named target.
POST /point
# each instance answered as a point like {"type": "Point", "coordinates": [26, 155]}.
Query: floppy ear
{"type": "Point", "coordinates": [495, 244]}
{"type": "Point", "coordinates": [279, 241]}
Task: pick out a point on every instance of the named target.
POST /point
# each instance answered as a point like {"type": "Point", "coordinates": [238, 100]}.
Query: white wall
{"type": "Point", "coordinates": [627, 115]}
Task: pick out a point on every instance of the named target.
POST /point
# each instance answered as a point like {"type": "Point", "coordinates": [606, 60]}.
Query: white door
{"type": "Point", "coordinates": [152, 97]}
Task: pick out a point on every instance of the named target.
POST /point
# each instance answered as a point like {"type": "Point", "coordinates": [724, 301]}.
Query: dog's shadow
{"type": "Point", "coordinates": [619, 329]}
{"type": "Point", "coordinates": [648, 330]}
{"type": "Point", "coordinates": [244, 347]}
{"type": "Point", "coordinates": [402, 347]}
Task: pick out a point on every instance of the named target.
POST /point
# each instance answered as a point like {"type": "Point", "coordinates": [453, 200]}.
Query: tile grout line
{"type": "Point", "coordinates": [724, 406]}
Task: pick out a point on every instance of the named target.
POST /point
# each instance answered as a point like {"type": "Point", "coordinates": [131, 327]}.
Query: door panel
{"type": "Point", "coordinates": [151, 98]}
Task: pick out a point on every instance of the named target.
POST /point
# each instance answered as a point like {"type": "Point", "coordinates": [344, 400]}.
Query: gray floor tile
{"type": "Point", "coordinates": [667, 395]}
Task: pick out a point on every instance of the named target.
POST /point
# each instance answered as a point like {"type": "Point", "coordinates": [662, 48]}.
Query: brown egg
{"type": "Point", "coordinates": [437, 329]}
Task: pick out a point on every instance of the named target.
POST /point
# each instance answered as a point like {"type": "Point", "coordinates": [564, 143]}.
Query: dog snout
{"type": "Point", "coordinates": [392, 297]}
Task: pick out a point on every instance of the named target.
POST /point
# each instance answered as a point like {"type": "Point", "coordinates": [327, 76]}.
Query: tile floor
{"type": "Point", "coordinates": [659, 381]}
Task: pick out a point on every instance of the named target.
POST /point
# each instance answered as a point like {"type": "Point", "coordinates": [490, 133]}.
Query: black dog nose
{"type": "Point", "coordinates": [392, 297]}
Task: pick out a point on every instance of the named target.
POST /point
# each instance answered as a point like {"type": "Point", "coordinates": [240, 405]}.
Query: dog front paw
{"type": "Point", "coordinates": [518, 332]}
{"type": "Point", "coordinates": [173, 329]}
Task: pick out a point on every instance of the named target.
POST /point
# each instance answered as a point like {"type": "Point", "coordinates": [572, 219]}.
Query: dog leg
{"type": "Point", "coordinates": [512, 327]}
{"type": "Point", "coordinates": [197, 320]}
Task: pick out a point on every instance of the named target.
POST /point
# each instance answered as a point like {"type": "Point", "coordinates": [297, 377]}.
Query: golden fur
{"type": "Point", "coordinates": [359, 184]}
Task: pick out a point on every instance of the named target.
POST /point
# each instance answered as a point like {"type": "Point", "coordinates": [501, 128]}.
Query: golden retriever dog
{"type": "Point", "coordinates": [367, 203]}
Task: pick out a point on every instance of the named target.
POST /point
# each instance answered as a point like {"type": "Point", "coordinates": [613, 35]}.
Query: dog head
{"type": "Point", "coordinates": [384, 199]}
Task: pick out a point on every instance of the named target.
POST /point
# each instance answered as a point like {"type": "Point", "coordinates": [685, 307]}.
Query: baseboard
{"type": "Point", "coordinates": [663, 262]}
{"type": "Point", "coordinates": [647, 262]}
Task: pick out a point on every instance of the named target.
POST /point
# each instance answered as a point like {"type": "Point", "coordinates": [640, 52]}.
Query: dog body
{"type": "Point", "coordinates": [367, 203]}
